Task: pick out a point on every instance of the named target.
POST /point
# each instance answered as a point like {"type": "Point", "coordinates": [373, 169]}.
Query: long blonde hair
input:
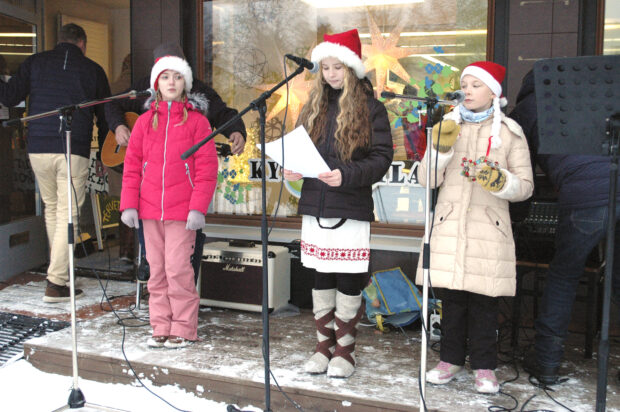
{"type": "Point", "coordinates": [158, 99]}
{"type": "Point", "coordinates": [353, 121]}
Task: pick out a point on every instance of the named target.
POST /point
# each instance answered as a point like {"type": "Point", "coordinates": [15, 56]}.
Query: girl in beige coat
{"type": "Point", "coordinates": [480, 161]}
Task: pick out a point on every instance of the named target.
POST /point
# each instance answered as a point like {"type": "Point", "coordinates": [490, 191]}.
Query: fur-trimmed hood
{"type": "Point", "coordinates": [195, 101]}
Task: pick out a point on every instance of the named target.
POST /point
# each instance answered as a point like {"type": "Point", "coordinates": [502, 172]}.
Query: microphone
{"type": "Point", "coordinates": [388, 95]}
{"type": "Point", "coordinates": [456, 96]}
{"type": "Point", "coordinates": [305, 63]}
{"type": "Point", "coordinates": [133, 94]}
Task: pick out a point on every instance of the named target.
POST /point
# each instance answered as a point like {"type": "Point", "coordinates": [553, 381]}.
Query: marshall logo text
{"type": "Point", "coordinates": [232, 268]}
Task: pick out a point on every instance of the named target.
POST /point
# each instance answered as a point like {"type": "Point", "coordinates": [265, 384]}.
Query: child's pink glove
{"type": "Point", "coordinates": [195, 220]}
{"type": "Point", "coordinates": [130, 218]}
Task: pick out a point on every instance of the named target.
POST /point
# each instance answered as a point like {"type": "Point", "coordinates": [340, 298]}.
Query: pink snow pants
{"type": "Point", "coordinates": [173, 300]}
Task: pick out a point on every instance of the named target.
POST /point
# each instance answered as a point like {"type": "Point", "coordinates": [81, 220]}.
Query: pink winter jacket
{"type": "Point", "coordinates": [156, 181]}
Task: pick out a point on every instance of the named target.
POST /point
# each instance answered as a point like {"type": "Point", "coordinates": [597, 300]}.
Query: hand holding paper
{"type": "Point", "coordinates": [333, 178]}
{"type": "Point", "coordinates": [291, 176]}
{"type": "Point", "coordinates": [300, 154]}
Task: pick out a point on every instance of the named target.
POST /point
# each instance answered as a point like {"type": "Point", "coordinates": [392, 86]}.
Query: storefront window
{"type": "Point", "coordinates": [17, 188]}
{"type": "Point", "coordinates": [415, 47]}
{"type": "Point", "coordinates": [611, 29]}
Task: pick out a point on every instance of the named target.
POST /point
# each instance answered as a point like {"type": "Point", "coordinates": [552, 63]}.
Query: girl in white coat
{"type": "Point", "coordinates": [480, 162]}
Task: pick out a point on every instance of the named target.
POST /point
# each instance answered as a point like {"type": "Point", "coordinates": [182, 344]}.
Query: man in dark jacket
{"type": "Point", "coordinates": [582, 183]}
{"type": "Point", "coordinates": [56, 78]}
{"type": "Point", "coordinates": [218, 114]}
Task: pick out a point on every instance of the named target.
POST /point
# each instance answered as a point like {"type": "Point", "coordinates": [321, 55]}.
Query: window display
{"type": "Point", "coordinates": [414, 47]}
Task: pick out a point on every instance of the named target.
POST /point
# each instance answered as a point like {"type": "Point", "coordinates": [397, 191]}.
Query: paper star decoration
{"type": "Point", "coordinates": [299, 90]}
{"type": "Point", "coordinates": [382, 54]}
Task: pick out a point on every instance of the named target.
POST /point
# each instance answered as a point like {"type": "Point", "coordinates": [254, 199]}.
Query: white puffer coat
{"type": "Point", "coordinates": [472, 247]}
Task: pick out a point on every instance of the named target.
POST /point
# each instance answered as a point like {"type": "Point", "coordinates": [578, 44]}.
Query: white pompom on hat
{"type": "Point", "coordinates": [172, 63]}
{"type": "Point", "coordinates": [345, 47]}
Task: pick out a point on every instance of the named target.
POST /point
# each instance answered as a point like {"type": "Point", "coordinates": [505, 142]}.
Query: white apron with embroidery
{"type": "Point", "coordinates": [342, 250]}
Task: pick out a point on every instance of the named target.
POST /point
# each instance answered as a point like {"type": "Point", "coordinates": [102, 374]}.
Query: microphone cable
{"type": "Point", "coordinates": [273, 222]}
{"type": "Point", "coordinates": [282, 130]}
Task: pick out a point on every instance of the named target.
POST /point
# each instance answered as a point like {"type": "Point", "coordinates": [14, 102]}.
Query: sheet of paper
{"type": "Point", "coordinates": [300, 154]}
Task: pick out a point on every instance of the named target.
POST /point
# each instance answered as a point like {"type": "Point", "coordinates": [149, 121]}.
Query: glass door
{"type": "Point", "coordinates": [18, 40]}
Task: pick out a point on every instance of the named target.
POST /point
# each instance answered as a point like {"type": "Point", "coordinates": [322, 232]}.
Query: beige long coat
{"type": "Point", "coordinates": [472, 247]}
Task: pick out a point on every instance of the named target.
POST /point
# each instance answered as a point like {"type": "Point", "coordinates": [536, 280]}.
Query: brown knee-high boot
{"type": "Point", "coordinates": [324, 303]}
{"type": "Point", "coordinates": [349, 311]}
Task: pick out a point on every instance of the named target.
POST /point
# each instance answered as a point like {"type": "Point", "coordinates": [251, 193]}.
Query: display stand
{"type": "Point", "coordinates": [578, 113]}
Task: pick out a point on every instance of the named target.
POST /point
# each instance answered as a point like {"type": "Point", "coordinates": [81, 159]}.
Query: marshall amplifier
{"type": "Point", "coordinates": [232, 276]}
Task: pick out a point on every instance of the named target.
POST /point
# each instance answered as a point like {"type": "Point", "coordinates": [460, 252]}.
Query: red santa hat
{"type": "Point", "coordinates": [491, 74]}
{"type": "Point", "coordinates": [345, 46]}
{"type": "Point", "coordinates": [175, 63]}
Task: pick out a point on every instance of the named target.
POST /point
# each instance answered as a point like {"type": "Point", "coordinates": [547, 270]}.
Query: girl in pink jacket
{"type": "Point", "coordinates": [171, 196]}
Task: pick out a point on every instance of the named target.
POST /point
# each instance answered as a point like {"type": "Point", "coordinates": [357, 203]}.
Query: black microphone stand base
{"type": "Point", "coordinates": [77, 401]}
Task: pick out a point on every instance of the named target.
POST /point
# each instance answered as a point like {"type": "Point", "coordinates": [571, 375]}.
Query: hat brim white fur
{"type": "Point", "coordinates": [342, 53]}
{"type": "Point", "coordinates": [485, 77]}
{"type": "Point", "coordinates": [172, 63]}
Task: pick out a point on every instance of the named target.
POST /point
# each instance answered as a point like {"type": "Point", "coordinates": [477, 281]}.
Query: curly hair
{"type": "Point", "coordinates": [158, 99]}
{"type": "Point", "coordinates": [353, 121]}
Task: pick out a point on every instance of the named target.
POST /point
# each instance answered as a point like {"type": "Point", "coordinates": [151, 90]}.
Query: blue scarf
{"type": "Point", "coordinates": [472, 117]}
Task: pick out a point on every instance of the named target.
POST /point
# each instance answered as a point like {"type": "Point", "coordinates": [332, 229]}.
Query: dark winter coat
{"type": "Point", "coordinates": [56, 78]}
{"type": "Point", "coordinates": [353, 198]}
{"type": "Point", "coordinates": [581, 180]}
{"type": "Point", "coordinates": [218, 113]}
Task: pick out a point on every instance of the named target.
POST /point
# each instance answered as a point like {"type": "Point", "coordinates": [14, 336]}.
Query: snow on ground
{"type": "Point", "coordinates": [28, 298]}
{"type": "Point", "coordinates": [25, 388]}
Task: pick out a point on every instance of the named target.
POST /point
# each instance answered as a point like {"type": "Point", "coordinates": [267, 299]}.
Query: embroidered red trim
{"type": "Point", "coordinates": [361, 254]}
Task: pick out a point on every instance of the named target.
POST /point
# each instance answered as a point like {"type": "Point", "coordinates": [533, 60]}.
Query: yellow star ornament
{"type": "Point", "coordinates": [382, 54]}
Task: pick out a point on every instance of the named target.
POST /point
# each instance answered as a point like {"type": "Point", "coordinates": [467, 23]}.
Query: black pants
{"type": "Point", "coordinates": [469, 318]}
{"type": "Point", "coordinates": [347, 283]}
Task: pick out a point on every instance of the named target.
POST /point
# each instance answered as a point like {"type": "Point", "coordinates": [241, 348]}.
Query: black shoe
{"type": "Point", "coordinates": [544, 375]}
{"type": "Point", "coordinates": [144, 270]}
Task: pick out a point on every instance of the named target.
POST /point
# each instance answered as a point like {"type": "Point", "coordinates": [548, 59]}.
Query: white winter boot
{"type": "Point", "coordinates": [349, 311]}
{"type": "Point", "coordinates": [323, 302]}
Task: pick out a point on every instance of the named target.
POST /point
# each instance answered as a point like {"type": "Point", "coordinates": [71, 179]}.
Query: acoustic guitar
{"type": "Point", "coordinates": [113, 154]}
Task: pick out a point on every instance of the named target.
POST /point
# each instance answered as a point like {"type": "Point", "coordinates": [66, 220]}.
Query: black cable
{"type": "Point", "coordinates": [526, 402]}
{"type": "Point", "coordinates": [273, 222]}
{"type": "Point", "coordinates": [275, 214]}
{"type": "Point", "coordinates": [554, 400]}
{"type": "Point", "coordinates": [499, 408]}
{"type": "Point", "coordinates": [295, 404]}
{"type": "Point", "coordinates": [433, 202]}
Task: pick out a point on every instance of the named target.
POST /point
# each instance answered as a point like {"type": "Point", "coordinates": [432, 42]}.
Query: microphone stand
{"type": "Point", "coordinates": [65, 114]}
{"type": "Point", "coordinates": [259, 105]}
{"type": "Point", "coordinates": [132, 94]}
{"type": "Point", "coordinates": [430, 103]}
{"type": "Point", "coordinates": [613, 132]}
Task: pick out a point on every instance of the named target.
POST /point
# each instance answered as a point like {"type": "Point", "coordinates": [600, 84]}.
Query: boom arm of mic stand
{"type": "Point", "coordinates": [73, 107]}
{"type": "Point", "coordinates": [427, 100]}
{"type": "Point", "coordinates": [254, 105]}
